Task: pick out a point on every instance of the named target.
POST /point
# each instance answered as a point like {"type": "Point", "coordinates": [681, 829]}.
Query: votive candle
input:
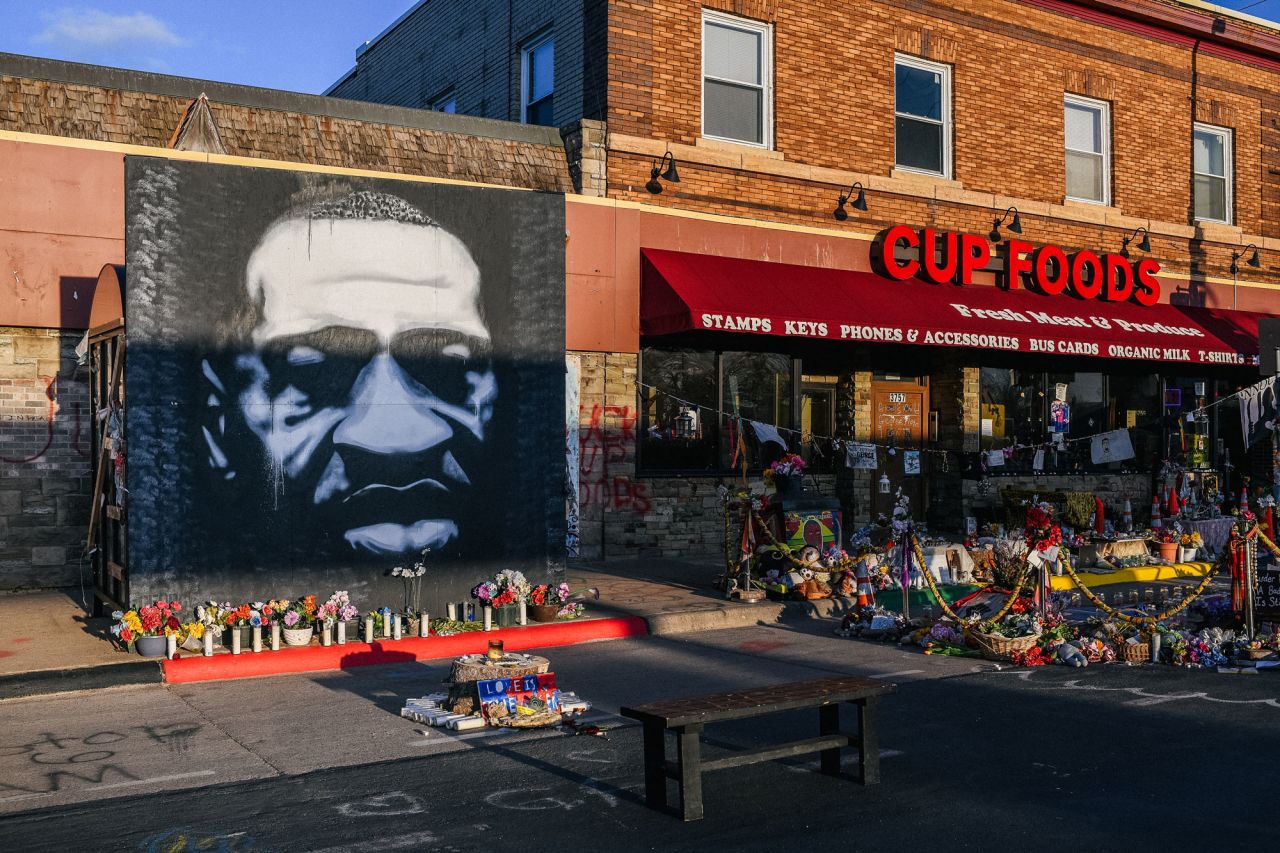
{"type": "Point", "coordinates": [368, 628]}
{"type": "Point", "coordinates": [275, 636]}
{"type": "Point", "coordinates": [208, 642]}
{"type": "Point", "coordinates": [342, 633]}
{"type": "Point", "coordinates": [524, 613]}
{"type": "Point", "coordinates": [424, 625]}
{"type": "Point", "coordinates": [171, 645]}
{"type": "Point", "coordinates": [451, 612]}
{"type": "Point", "coordinates": [256, 635]}
{"type": "Point", "coordinates": [326, 634]}
{"type": "Point", "coordinates": [235, 640]}
{"type": "Point", "coordinates": [396, 629]}
{"type": "Point", "coordinates": [488, 618]}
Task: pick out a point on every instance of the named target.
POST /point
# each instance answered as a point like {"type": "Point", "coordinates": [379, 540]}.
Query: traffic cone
{"type": "Point", "coordinates": [1155, 511]}
{"type": "Point", "coordinates": [862, 577]}
{"type": "Point", "coordinates": [1174, 508]}
{"type": "Point", "coordinates": [1128, 515]}
{"type": "Point", "coordinates": [1244, 498]}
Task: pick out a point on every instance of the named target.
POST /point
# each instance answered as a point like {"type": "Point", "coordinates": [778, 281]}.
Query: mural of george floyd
{"type": "Point", "coordinates": [329, 375]}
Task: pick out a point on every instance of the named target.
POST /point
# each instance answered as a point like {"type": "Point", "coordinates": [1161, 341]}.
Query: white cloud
{"type": "Point", "coordinates": [95, 27]}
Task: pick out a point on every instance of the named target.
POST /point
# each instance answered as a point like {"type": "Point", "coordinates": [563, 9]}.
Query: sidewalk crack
{"type": "Point", "coordinates": [228, 735]}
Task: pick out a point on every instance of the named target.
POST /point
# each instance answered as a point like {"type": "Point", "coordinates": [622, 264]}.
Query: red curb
{"type": "Point", "coordinates": [220, 667]}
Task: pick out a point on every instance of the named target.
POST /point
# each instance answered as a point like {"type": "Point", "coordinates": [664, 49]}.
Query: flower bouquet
{"type": "Point", "coordinates": [1167, 540]}
{"type": "Point", "coordinates": [146, 627]}
{"type": "Point", "coordinates": [503, 594]}
{"type": "Point", "coordinates": [1189, 546]}
{"type": "Point", "coordinates": [784, 474]}
{"type": "Point", "coordinates": [339, 609]}
{"type": "Point", "coordinates": [1015, 634]}
{"type": "Point", "coordinates": [548, 602]}
{"type": "Point", "coordinates": [411, 577]}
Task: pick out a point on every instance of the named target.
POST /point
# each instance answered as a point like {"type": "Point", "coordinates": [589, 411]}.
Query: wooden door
{"type": "Point", "coordinates": [899, 419]}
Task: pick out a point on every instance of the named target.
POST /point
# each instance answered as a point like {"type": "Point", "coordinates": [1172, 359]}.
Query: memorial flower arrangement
{"type": "Point", "coordinates": [1041, 533]}
{"type": "Point", "coordinates": [149, 620]}
{"type": "Point", "coordinates": [1166, 536]}
{"type": "Point", "coordinates": [339, 608]}
{"type": "Point", "coordinates": [300, 612]}
{"type": "Point", "coordinates": [507, 587]}
{"type": "Point", "coordinates": [560, 594]}
{"type": "Point", "coordinates": [789, 465]}
{"type": "Point", "coordinates": [1192, 540]}
{"type": "Point", "coordinates": [411, 576]}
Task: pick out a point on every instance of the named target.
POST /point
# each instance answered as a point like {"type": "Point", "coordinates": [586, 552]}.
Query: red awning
{"type": "Point", "coordinates": [682, 291]}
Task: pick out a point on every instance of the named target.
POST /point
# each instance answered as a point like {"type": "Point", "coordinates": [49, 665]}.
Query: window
{"type": "Point", "coordinates": [1212, 165]}
{"type": "Point", "coordinates": [537, 82]}
{"type": "Point", "coordinates": [680, 429]}
{"type": "Point", "coordinates": [446, 103]}
{"type": "Point", "coordinates": [737, 84]}
{"type": "Point", "coordinates": [922, 116]}
{"type": "Point", "coordinates": [1088, 142]}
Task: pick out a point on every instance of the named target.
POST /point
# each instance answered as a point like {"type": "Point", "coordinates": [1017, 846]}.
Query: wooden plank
{"type": "Point", "coordinates": [689, 759]}
{"type": "Point", "coordinates": [769, 753]}
{"type": "Point", "coordinates": [115, 569]}
{"type": "Point", "coordinates": [115, 513]}
{"type": "Point", "coordinates": [762, 700]}
{"type": "Point", "coordinates": [99, 479]}
{"type": "Point", "coordinates": [106, 330]}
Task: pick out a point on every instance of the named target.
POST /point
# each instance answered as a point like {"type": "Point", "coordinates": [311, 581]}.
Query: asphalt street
{"type": "Point", "coordinates": [1104, 758]}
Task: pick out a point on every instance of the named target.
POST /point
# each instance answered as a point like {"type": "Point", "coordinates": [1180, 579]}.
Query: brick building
{"type": "Point", "coordinates": [1147, 125]}
{"type": "Point", "coordinates": [65, 130]}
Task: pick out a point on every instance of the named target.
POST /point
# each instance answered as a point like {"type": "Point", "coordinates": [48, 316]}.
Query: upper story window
{"type": "Point", "coordinates": [537, 81]}
{"type": "Point", "coordinates": [1088, 141]}
{"type": "Point", "coordinates": [1212, 165]}
{"type": "Point", "coordinates": [737, 79]}
{"type": "Point", "coordinates": [922, 116]}
{"type": "Point", "coordinates": [445, 103]}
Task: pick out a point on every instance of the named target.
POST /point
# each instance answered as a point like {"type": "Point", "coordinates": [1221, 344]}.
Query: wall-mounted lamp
{"type": "Point", "coordinates": [1144, 245]}
{"type": "Point", "coordinates": [1253, 260]}
{"type": "Point", "coordinates": [859, 201]}
{"type": "Point", "coordinates": [1015, 226]}
{"type": "Point", "coordinates": [665, 169]}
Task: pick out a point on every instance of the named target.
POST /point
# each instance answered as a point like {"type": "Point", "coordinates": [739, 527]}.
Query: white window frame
{"type": "Point", "coordinates": [528, 48]}
{"type": "Point", "coordinates": [1228, 166]}
{"type": "Point", "coordinates": [765, 31]}
{"type": "Point", "coordinates": [1104, 109]}
{"type": "Point", "coordinates": [944, 71]}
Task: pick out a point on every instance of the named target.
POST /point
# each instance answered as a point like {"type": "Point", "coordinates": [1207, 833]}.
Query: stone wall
{"type": "Point", "coordinates": [1112, 488]}
{"type": "Point", "coordinates": [45, 452]}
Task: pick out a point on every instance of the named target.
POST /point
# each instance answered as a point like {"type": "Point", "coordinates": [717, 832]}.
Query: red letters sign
{"type": "Point", "coordinates": [946, 257]}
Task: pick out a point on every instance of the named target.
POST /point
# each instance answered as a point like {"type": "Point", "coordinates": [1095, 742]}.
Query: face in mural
{"type": "Point", "coordinates": [367, 380]}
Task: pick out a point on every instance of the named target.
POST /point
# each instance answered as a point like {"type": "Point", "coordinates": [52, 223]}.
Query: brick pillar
{"type": "Point", "coordinates": [586, 149]}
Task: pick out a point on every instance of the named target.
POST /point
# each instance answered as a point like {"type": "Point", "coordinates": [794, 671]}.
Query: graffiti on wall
{"type": "Point", "coordinates": [356, 372]}
{"type": "Point", "coordinates": [52, 422]}
{"type": "Point", "coordinates": [603, 449]}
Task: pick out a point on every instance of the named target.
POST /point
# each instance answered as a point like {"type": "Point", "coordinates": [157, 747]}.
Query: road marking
{"type": "Point", "coordinates": [1144, 698]}
{"type": "Point", "coordinates": [171, 778]}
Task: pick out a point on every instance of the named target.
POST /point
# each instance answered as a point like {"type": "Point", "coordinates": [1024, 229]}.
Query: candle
{"type": "Point", "coordinates": [368, 628]}
{"type": "Point", "coordinates": [395, 627]}
{"type": "Point", "coordinates": [275, 636]}
{"type": "Point", "coordinates": [256, 634]}
{"type": "Point", "coordinates": [424, 625]}
{"type": "Point", "coordinates": [386, 622]}
{"type": "Point", "coordinates": [235, 640]}
{"type": "Point", "coordinates": [208, 642]}
{"type": "Point", "coordinates": [171, 645]}
{"type": "Point", "coordinates": [451, 612]}
{"type": "Point", "coordinates": [495, 650]}
{"type": "Point", "coordinates": [326, 634]}
{"type": "Point", "coordinates": [488, 618]}
{"type": "Point", "coordinates": [342, 633]}
{"type": "Point", "coordinates": [524, 612]}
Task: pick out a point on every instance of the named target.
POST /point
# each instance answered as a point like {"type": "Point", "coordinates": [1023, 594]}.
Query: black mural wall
{"type": "Point", "coordinates": [327, 375]}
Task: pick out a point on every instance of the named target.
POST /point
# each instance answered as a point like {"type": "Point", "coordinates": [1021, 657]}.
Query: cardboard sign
{"type": "Point", "coordinates": [511, 692]}
{"type": "Point", "coordinates": [860, 457]}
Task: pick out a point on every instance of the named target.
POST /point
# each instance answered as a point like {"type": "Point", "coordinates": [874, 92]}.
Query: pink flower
{"type": "Point", "coordinates": [291, 618]}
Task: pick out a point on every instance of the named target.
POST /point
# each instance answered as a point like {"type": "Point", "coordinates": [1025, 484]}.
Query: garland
{"type": "Point", "coordinates": [1137, 620]}
{"type": "Point", "coordinates": [946, 608]}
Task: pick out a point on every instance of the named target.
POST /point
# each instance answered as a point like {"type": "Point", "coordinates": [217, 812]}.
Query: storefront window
{"type": "Point", "coordinates": [678, 430]}
{"type": "Point", "coordinates": [755, 386]}
{"type": "Point", "coordinates": [1012, 408]}
{"type": "Point", "coordinates": [682, 393]}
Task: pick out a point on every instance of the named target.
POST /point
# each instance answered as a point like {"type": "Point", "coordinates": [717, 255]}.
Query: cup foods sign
{"type": "Point", "coordinates": [1085, 324]}
{"type": "Point", "coordinates": [945, 257]}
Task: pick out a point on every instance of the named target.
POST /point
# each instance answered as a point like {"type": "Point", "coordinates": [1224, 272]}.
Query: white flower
{"type": "Point", "coordinates": [397, 572]}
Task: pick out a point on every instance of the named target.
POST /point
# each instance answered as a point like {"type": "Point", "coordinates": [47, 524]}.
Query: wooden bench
{"type": "Point", "coordinates": [686, 717]}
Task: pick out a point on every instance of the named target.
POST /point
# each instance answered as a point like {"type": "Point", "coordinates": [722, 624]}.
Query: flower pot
{"type": "Point", "coordinates": [1168, 551]}
{"type": "Point", "coordinates": [788, 487]}
{"type": "Point", "coordinates": [152, 647]}
{"type": "Point", "coordinates": [1187, 555]}
{"type": "Point", "coordinates": [543, 612]}
{"type": "Point", "coordinates": [297, 636]}
{"type": "Point", "coordinates": [507, 615]}
{"type": "Point", "coordinates": [227, 631]}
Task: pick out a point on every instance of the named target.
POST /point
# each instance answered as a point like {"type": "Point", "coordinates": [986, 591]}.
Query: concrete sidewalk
{"type": "Point", "coordinates": [49, 645]}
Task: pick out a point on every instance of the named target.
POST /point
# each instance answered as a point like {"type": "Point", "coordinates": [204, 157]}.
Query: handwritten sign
{"type": "Point", "coordinates": [1266, 596]}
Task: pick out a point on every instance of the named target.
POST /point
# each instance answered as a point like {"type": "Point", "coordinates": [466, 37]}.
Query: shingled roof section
{"type": "Point", "coordinates": [69, 99]}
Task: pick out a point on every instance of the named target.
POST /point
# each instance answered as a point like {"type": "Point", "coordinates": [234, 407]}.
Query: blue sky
{"type": "Point", "coordinates": [300, 45]}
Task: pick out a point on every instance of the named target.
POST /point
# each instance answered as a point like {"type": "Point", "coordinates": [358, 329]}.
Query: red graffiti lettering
{"type": "Point", "coordinates": [51, 424]}
{"type": "Point", "coordinates": [603, 447]}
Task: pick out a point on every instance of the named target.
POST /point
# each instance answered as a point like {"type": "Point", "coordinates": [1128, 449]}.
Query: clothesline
{"type": "Point", "coordinates": [839, 443]}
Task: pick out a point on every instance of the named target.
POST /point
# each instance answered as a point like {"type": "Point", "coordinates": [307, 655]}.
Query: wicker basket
{"type": "Point", "coordinates": [1133, 652]}
{"type": "Point", "coordinates": [998, 647]}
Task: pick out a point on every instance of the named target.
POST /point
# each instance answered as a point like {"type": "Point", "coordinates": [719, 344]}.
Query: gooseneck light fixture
{"type": "Point", "coordinates": [664, 169]}
{"type": "Point", "coordinates": [859, 201]}
{"type": "Point", "coordinates": [1253, 260]}
{"type": "Point", "coordinates": [1144, 245]}
{"type": "Point", "coordinates": [1015, 225]}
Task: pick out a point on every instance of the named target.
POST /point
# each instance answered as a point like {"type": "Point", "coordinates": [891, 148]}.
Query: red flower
{"type": "Point", "coordinates": [126, 635]}
{"type": "Point", "coordinates": [173, 623]}
{"type": "Point", "coordinates": [266, 610]}
{"type": "Point", "coordinates": [150, 618]}
{"type": "Point", "coordinates": [243, 611]}
{"type": "Point", "coordinates": [177, 608]}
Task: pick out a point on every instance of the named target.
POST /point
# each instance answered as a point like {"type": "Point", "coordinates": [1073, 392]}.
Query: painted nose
{"type": "Point", "coordinates": [390, 413]}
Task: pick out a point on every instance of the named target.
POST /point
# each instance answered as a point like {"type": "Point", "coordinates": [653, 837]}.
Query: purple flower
{"type": "Point", "coordinates": [291, 618]}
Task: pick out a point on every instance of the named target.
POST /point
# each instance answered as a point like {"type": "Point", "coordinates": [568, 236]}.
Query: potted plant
{"type": "Point", "coordinates": [1167, 540]}
{"type": "Point", "coordinates": [1190, 547]}
{"type": "Point", "coordinates": [548, 602]}
{"type": "Point", "coordinates": [504, 594]}
{"type": "Point", "coordinates": [147, 627]}
{"type": "Point", "coordinates": [298, 619]}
